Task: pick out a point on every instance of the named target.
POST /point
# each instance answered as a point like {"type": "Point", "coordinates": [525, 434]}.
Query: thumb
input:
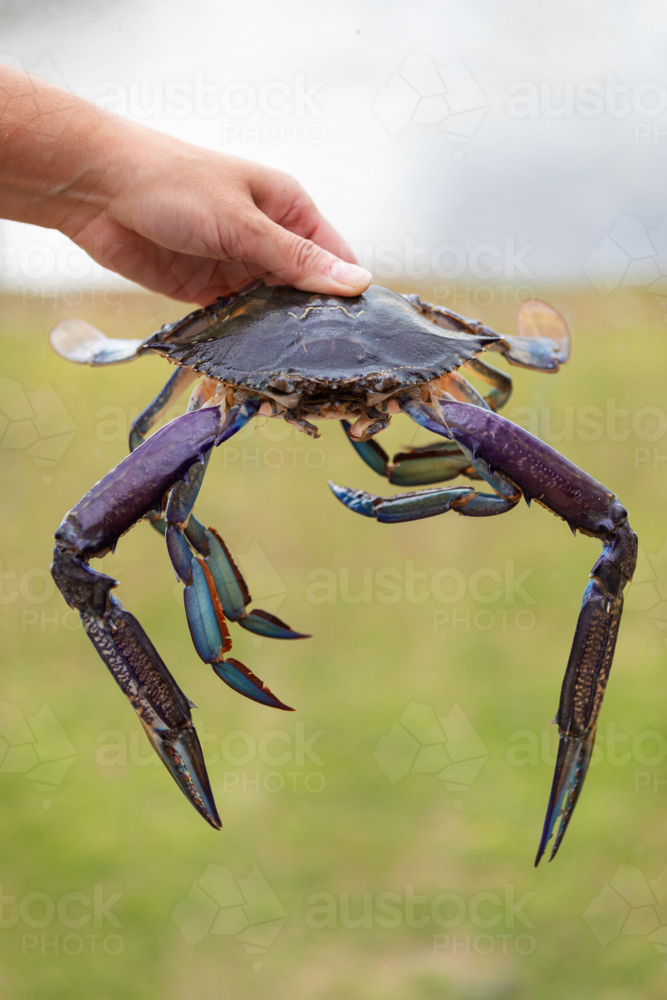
{"type": "Point", "coordinates": [301, 263]}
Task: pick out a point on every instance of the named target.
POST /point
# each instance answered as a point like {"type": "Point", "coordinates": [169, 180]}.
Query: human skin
{"type": "Point", "coordinates": [176, 218]}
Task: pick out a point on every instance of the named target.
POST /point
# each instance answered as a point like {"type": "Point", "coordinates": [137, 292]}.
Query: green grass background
{"type": "Point", "coordinates": [129, 829]}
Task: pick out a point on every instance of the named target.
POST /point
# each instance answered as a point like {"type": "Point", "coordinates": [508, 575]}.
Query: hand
{"type": "Point", "coordinates": [193, 225]}
{"type": "Point", "coordinates": [175, 218]}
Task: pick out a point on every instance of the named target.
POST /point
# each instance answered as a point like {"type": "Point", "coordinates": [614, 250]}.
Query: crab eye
{"type": "Point", "coordinates": [538, 319]}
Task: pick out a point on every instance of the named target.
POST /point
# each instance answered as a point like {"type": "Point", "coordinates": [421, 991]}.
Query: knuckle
{"type": "Point", "coordinates": [302, 254]}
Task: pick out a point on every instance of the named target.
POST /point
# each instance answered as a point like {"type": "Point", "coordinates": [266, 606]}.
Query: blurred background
{"type": "Point", "coordinates": [379, 841]}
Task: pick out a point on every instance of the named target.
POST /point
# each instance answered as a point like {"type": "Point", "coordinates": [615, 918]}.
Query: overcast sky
{"type": "Point", "coordinates": [486, 140]}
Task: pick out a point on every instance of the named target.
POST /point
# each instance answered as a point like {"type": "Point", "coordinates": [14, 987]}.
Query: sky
{"type": "Point", "coordinates": [522, 142]}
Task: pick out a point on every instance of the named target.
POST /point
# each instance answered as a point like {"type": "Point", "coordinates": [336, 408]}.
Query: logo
{"type": "Point", "coordinates": [245, 908]}
{"type": "Point", "coordinates": [632, 257]}
{"type": "Point", "coordinates": [36, 746]}
{"type": "Point", "coordinates": [631, 904]}
{"type": "Point", "coordinates": [648, 590]}
{"type": "Point", "coordinates": [36, 422]}
{"type": "Point", "coordinates": [420, 743]}
{"type": "Point", "coordinates": [422, 94]}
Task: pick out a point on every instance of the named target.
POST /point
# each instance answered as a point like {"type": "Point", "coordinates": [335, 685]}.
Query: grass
{"type": "Point", "coordinates": [324, 825]}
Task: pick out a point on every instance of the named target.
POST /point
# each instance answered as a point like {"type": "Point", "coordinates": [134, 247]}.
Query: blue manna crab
{"type": "Point", "coordinates": [305, 357]}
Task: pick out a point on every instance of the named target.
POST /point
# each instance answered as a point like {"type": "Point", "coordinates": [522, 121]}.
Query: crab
{"type": "Point", "coordinates": [283, 353]}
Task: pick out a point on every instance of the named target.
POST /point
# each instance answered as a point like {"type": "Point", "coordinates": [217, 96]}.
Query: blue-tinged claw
{"type": "Point", "coordinates": [370, 451]}
{"type": "Point", "coordinates": [262, 623]}
{"type": "Point", "coordinates": [574, 755]}
{"type": "Point", "coordinates": [238, 677]}
{"type": "Point", "coordinates": [183, 757]}
{"type": "Point", "coordinates": [357, 500]}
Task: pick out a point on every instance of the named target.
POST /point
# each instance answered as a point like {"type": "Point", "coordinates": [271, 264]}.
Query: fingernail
{"type": "Point", "coordinates": [350, 274]}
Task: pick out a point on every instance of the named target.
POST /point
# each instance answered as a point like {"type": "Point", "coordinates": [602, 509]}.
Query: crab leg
{"type": "Point", "coordinates": [230, 586]}
{"type": "Point", "coordinates": [505, 453]}
{"type": "Point", "coordinates": [431, 463]}
{"type": "Point", "coordinates": [179, 381]}
{"type": "Point", "coordinates": [502, 383]}
{"type": "Point", "coordinates": [543, 343]}
{"type": "Point", "coordinates": [91, 529]}
{"type": "Point", "coordinates": [214, 590]}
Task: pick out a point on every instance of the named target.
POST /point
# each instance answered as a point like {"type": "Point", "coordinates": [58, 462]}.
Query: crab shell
{"type": "Point", "coordinates": [318, 356]}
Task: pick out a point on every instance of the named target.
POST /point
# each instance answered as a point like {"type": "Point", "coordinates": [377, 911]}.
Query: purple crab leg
{"type": "Point", "coordinates": [586, 505]}
{"type": "Point", "coordinates": [179, 381]}
{"type": "Point", "coordinates": [504, 453]}
{"type": "Point", "coordinates": [91, 529]}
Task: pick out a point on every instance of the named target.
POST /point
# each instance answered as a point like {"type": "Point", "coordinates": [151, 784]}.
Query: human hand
{"type": "Point", "coordinates": [194, 224]}
{"type": "Point", "coordinates": [178, 219]}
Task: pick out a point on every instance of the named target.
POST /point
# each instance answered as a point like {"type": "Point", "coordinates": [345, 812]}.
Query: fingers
{"type": "Point", "coordinates": [297, 261]}
{"type": "Point", "coordinates": [196, 242]}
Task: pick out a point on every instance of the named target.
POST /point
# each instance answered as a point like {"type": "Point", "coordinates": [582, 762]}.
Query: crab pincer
{"type": "Point", "coordinates": [514, 463]}
{"type": "Point", "coordinates": [164, 462]}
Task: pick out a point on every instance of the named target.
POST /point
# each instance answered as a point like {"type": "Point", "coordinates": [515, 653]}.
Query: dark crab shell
{"type": "Point", "coordinates": [299, 341]}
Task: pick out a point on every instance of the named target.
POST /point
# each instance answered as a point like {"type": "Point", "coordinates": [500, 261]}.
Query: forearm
{"type": "Point", "coordinates": [62, 159]}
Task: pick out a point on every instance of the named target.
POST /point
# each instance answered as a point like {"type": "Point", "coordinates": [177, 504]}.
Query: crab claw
{"type": "Point", "coordinates": [182, 754]}
{"type": "Point", "coordinates": [163, 709]}
{"type": "Point", "coordinates": [574, 756]}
